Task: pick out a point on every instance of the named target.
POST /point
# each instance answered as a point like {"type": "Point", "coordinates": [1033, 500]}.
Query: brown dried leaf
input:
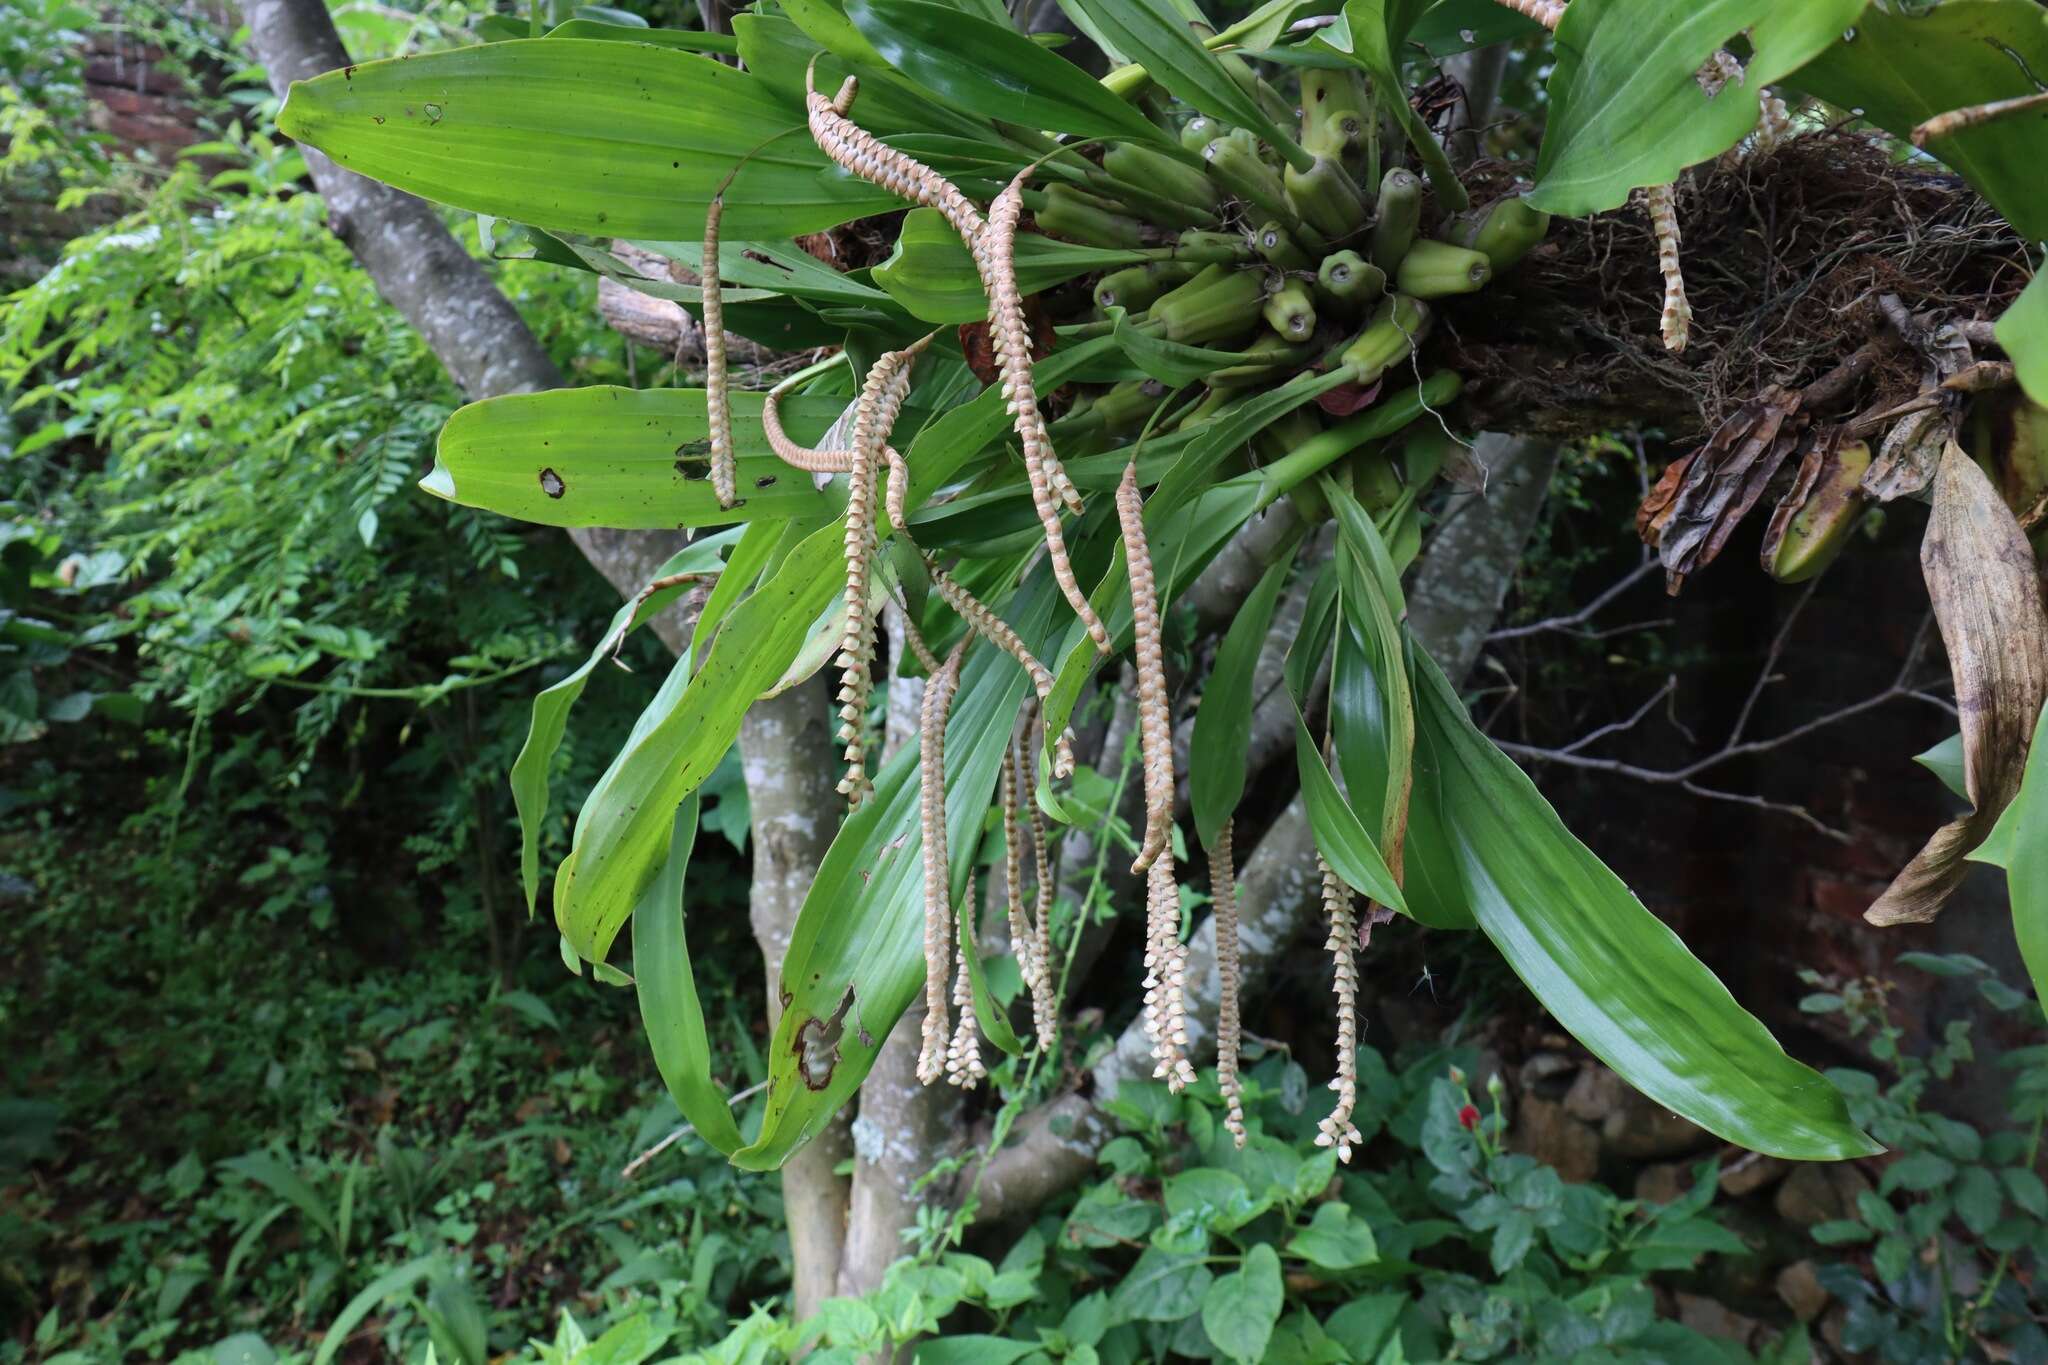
{"type": "Point", "coordinates": [1987, 599]}
{"type": "Point", "coordinates": [1656, 508]}
{"type": "Point", "coordinates": [1724, 480]}
{"type": "Point", "coordinates": [1911, 453]}
{"type": "Point", "coordinates": [1820, 451]}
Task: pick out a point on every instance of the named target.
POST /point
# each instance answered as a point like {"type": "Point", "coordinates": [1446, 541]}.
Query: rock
{"type": "Point", "coordinates": [1548, 1074]}
{"type": "Point", "coordinates": [1799, 1287]}
{"type": "Point", "coordinates": [1820, 1192]}
{"type": "Point", "coordinates": [1663, 1182]}
{"type": "Point", "coordinates": [1545, 1131]}
{"type": "Point", "coordinates": [1631, 1125]}
{"type": "Point", "coordinates": [1715, 1319]}
{"type": "Point", "coordinates": [1752, 1171]}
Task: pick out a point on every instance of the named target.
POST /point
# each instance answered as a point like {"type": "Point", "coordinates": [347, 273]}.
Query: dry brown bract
{"type": "Point", "coordinates": [1986, 591]}
{"type": "Point", "coordinates": [938, 890]}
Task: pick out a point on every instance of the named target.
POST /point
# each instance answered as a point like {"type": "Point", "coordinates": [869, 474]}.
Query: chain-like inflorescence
{"type": "Point", "coordinates": [1044, 999]}
{"type": "Point", "coordinates": [995, 254]}
{"type": "Point", "coordinates": [1029, 942]}
{"type": "Point", "coordinates": [1229, 972]}
{"type": "Point", "coordinates": [1155, 719]}
{"type": "Point", "coordinates": [788, 451]}
{"type": "Point", "coordinates": [1676, 323]}
{"type": "Point", "coordinates": [1338, 1129]}
{"type": "Point", "coordinates": [938, 890]}
{"type": "Point", "coordinates": [1166, 977]}
{"type": "Point", "coordinates": [997, 632]}
{"type": "Point", "coordinates": [866, 156]}
{"type": "Point", "coordinates": [875, 413]}
{"type": "Point", "coordinates": [1544, 12]}
{"type": "Point", "coordinates": [963, 1051]}
{"type": "Point", "coordinates": [717, 403]}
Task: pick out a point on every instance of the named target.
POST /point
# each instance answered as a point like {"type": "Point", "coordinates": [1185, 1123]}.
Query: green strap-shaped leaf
{"type": "Point", "coordinates": [1223, 723]}
{"type": "Point", "coordinates": [1370, 594]}
{"type": "Point", "coordinates": [2023, 332]}
{"type": "Point", "coordinates": [1945, 761]}
{"type": "Point", "coordinates": [779, 51]}
{"type": "Point", "coordinates": [1358, 718]}
{"type": "Point", "coordinates": [1902, 69]}
{"type": "Point", "coordinates": [856, 956]}
{"type": "Point", "coordinates": [930, 273]}
{"type": "Point", "coordinates": [630, 459]}
{"type": "Point", "coordinates": [988, 1011]}
{"type": "Point", "coordinates": [1173, 363]}
{"type": "Point", "coordinates": [995, 70]}
{"type": "Point", "coordinates": [1626, 106]}
{"type": "Point", "coordinates": [2019, 844]}
{"type": "Point", "coordinates": [689, 40]}
{"type": "Point", "coordinates": [1606, 968]}
{"type": "Point", "coordinates": [1152, 34]}
{"type": "Point", "coordinates": [667, 987]}
{"type": "Point", "coordinates": [551, 707]}
{"type": "Point", "coordinates": [582, 135]}
{"type": "Point", "coordinates": [1340, 837]}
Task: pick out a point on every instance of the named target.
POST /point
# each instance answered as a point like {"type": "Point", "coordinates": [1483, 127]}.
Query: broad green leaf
{"type": "Point", "coordinates": [778, 267]}
{"type": "Point", "coordinates": [631, 459]}
{"type": "Point", "coordinates": [1945, 761]}
{"type": "Point", "coordinates": [1901, 70]}
{"type": "Point", "coordinates": [388, 1285]}
{"type": "Point", "coordinates": [1173, 363]}
{"type": "Point", "coordinates": [2019, 844]}
{"type": "Point", "coordinates": [1340, 837]}
{"type": "Point", "coordinates": [1453, 26]}
{"type": "Point", "coordinates": [780, 50]}
{"type": "Point", "coordinates": [667, 987]}
{"type": "Point", "coordinates": [1240, 1309]}
{"type": "Point", "coordinates": [856, 957]}
{"type": "Point", "coordinates": [1606, 968]}
{"type": "Point", "coordinates": [972, 1350]}
{"type": "Point", "coordinates": [278, 1176]}
{"type": "Point", "coordinates": [2023, 332]}
{"type": "Point", "coordinates": [1370, 594]}
{"type": "Point", "coordinates": [1152, 34]}
{"type": "Point", "coordinates": [931, 274]}
{"type": "Point", "coordinates": [1164, 1286]}
{"type": "Point", "coordinates": [1370, 32]}
{"type": "Point", "coordinates": [582, 135]}
{"type": "Point", "coordinates": [1222, 736]}
{"type": "Point", "coordinates": [1335, 1239]}
{"type": "Point", "coordinates": [1626, 106]}
{"type": "Point", "coordinates": [530, 771]}
{"type": "Point", "coordinates": [995, 70]}
{"type": "Point", "coordinates": [1358, 718]}
{"type": "Point", "coordinates": [688, 40]}
{"type": "Point", "coordinates": [988, 1010]}
{"type": "Point", "coordinates": [622, 833]}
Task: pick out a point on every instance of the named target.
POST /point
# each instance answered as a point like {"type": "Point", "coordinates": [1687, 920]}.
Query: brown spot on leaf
{"type": "Point", "coordinates": [551, 483]}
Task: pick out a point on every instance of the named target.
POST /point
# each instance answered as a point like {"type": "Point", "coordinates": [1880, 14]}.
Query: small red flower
{"type": "Point", "coordinates": [1469, 1117]}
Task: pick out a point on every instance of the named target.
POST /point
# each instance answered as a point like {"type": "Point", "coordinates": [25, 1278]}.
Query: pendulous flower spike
{"type": "Point", "coordinates": [1155, 720]}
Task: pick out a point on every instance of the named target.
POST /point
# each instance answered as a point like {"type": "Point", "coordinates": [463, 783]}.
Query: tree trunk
{"type": "Point", "coordinates": [422, 271]}
{"type": "Point", "coordinates": [791, 762]}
